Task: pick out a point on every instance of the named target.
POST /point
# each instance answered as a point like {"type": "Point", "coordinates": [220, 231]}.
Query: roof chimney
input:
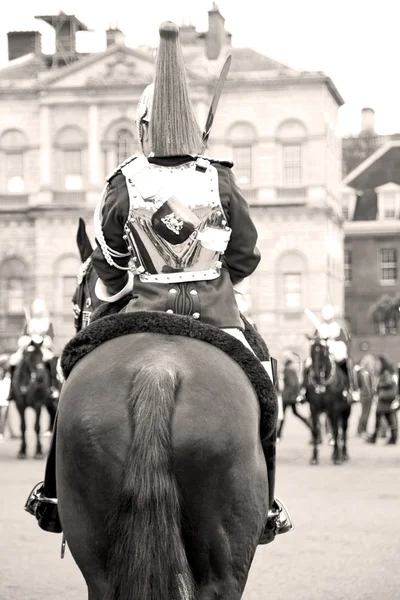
{"type": "Point", "coordinates": [216, 35]}
{"type": "Point", "coordinates": [115, 37]}
{"type": "Point", "coordinates": [21, 43]}
{"type": "Point", "coordinates": [367, 121]}
{"type": "Point", "coordinates": [188, 35]}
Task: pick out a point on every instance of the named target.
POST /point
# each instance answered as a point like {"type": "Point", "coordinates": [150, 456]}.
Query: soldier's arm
{"type": "Point", "coordinates": [241, 256]}
{"type": "Point", "coordinates": [114, 283]}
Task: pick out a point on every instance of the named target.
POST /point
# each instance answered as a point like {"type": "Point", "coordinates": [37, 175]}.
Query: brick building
{"type": "Point", "coordinates": [67, 120]}
{"type": "Point", "coordinates": [371, 205]}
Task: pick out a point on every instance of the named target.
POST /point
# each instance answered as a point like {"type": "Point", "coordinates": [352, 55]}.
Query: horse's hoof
{"type": "Point", "coordinates": [337, 461]}
{"type": "Point", "coordinates": [345, 457]}
{"type": "Point", "coordinates": [314, 461]}
{"type": "Point", "coordinates": [21, 455]}
{"type": "Point", "coordinates": [38, 456]}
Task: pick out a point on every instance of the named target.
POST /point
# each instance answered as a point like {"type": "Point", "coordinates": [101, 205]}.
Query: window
{"type": "Point", "coordinates": [71, 144]}
{"type": "Point", "coordinates": [72, 161]}
{"type": "Point", "coordinates": [13, 275]}
{"type": "Point", "coordinates": [13, 144]}
{"type": "Point", "coordinates": [125, 145]}
{"type": "Point", "coordinates": [347, 266]}
{"type": "Point", "coordinates": [69, 283]}
{"type": "Point", "coordinates": [14, 296]}
{"type": "Point", "coordinates": [292, 290]}
{"type": "Point", "coordinates": [292, 164]}
{"type": "Point", "coordinates": [291, 137]}
{"type": "Point", "coordinates": [388, 265]}
{"type": "Point", "coordinates": [242, 162]}
{"type": "Point", "coordinates": [242, 137]}
{"type": "Point", "coordinates": [65, 271]}
{"type": "Point", "coordinates": [389, 205]}
{"type": "Point", "coordinates": [118, 143]}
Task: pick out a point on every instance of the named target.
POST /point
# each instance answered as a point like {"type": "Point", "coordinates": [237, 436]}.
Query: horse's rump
{"type": "Point", "coordinates": [217, 462]}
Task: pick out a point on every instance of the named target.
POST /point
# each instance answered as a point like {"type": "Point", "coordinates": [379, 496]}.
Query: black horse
{"type": "Point", "coordinates": [31, 388]}
{"type": "Point", "coordinates": [325, 385]}
{"type": "Point", "coordinates": [84, 300]}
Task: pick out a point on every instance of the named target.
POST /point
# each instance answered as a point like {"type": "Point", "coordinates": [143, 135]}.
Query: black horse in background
{"type": "Point", "coordinates": [31, 388]}
{"type": "Point", "coordinates": [84, 300]}
{"type": "Point", "coordinates": [325, 383]}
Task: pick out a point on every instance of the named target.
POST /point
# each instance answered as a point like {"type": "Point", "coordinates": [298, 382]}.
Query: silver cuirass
{"type": "Point", "coordinates": [176, 230]}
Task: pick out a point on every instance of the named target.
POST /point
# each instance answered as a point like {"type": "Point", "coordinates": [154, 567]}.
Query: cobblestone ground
{"type": "Point", "coordinates": [346, 544]}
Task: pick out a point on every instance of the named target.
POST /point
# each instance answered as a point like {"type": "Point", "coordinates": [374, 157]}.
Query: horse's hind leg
{"type": "Point", "coordinates": [345, 421]}
{"type": "Point", "coordinates": [315, 434]}
{"type": "Point", "coordinates": [336, 455]}
{"type": "Point", "coordinates": [39, 452]}
{"type": "Point", "coordinates": [21, 410]}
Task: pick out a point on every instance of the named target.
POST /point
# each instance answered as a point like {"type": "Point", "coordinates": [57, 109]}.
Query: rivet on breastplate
{"type": "Point", "coordinates": [196, 315]}
{"type": "Point", "coordinates": [173, 291]}
{"type": "Point", "coordinates": [193, 292]}
{"type": "Point", "coordinates": [223, 222]}
{"type": "Point", "coordinates": [88, 302]}
{"type": "Point", "coordinates": [170, 311]}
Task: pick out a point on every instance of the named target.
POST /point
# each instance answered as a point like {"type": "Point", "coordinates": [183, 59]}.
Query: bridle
{"type": "Point", "coordinates": [321, 385]}
{"type": "Point", "coordinates": [82, 301]}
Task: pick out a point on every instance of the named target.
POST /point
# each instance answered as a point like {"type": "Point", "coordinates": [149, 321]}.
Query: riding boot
{"type": "Point", "coordinates": [393, 428]}
{"type": "Point", "coordinates": [278, 520]}
{"type": "Point", "coordinates": [42, 501]}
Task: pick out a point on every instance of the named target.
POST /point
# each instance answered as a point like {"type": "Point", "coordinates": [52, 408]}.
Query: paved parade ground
{"type": "Point", "coordinates": [346, 545]}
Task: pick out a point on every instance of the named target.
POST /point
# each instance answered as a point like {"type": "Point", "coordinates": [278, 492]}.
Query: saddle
{"type": "Point", "coordinates": [104, 327]}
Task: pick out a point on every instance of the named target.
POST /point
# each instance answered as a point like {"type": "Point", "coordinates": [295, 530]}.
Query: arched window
{"type": "Point", "coordinates": [71, 144]}
{"type": "Point", "coordinates": [65, 271]}
{"type": "Point", "coordinates": [291, 271]}
{"type": "Point", "coordinates": [119, 142]}
{"type": "Point", "coordinates": [13, 145]}
{"type": "Point", "coordinates": [291, 136]}
{"type": "Point", "coordinates": [242, 137]}
{"type": "Point", "coordinates": [125, 145]}
{"type": "Point", "coordinates": [13, 280]}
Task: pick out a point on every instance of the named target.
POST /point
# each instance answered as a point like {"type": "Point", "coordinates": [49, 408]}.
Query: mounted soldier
{"type": "Point", "coordinates": [37, 327]}
{"type": "Point", "coordinates": [173, 231]}
{"type": "Point", "coordinates": [334, 331]}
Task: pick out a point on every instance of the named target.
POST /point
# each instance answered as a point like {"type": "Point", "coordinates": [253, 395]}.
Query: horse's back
{"type": "Point", "coordinates": [217, 457]}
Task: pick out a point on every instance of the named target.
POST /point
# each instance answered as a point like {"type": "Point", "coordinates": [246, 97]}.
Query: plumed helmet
{"type": "Point", "coordinates": [38, 308]}
{"type": "Point", "coordinates": [165, 104]}
{"type": "Point", "coordinates": [328, 312]}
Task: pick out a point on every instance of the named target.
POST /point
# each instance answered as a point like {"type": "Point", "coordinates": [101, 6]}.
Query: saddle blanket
{"type": "Point", "coordinates": [104, 328]}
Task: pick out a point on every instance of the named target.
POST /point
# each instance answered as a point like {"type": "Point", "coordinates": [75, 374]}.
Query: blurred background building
{"type": "Point", "coordinates": [67, 120]}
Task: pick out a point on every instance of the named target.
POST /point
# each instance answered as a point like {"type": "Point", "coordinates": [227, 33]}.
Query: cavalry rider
{"type": "Point", "coordinates": [211, 245]}
{"type": "Point", "coordinates": [337, 336]}
{"type": "Point", "coordinates": [145, 203]}
{"type": "Point", "coordinates": [38, 326]}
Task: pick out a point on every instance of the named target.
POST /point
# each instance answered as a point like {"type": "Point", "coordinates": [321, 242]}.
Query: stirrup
{"type": "Point", "coordinates": [278, 521]}
{"type": "Point", "coordinates": [280, 516]}
{"type": "Point", "coordinates": [44, 509]}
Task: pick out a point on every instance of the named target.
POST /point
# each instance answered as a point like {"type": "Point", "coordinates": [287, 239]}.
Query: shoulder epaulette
{"type": "Point", "coordinates": [118, 169]}
{"type": "Point", "coordinates": [225, 162]}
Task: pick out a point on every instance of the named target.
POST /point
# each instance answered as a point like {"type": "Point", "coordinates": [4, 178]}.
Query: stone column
{"type": "Point", "coordinates": [45, 147]}
{"type": "Point", "coordinates": [94, 146]}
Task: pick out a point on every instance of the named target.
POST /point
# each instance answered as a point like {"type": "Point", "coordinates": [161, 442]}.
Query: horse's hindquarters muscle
{"type": "Point", "coordinates": [216, 456]}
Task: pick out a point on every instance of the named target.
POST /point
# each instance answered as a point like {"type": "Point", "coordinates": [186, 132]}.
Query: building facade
{"type": "Point", "coordinates": [371, 205]}
{"type": "Point", "coordinates": [67, 120]}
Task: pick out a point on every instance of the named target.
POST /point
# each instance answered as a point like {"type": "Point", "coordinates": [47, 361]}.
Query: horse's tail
{"type": "Point", "coordinates": [147, 559]}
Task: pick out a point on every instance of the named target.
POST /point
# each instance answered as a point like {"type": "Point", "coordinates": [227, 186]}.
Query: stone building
{"type": "Point", "coordinates": [67, 120]}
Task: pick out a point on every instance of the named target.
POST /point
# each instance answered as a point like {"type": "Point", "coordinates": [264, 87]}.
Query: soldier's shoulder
{"type": "Point", "coordinates": [223, 162]}
{"type": "Point", "coordinates": [118, 171]}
